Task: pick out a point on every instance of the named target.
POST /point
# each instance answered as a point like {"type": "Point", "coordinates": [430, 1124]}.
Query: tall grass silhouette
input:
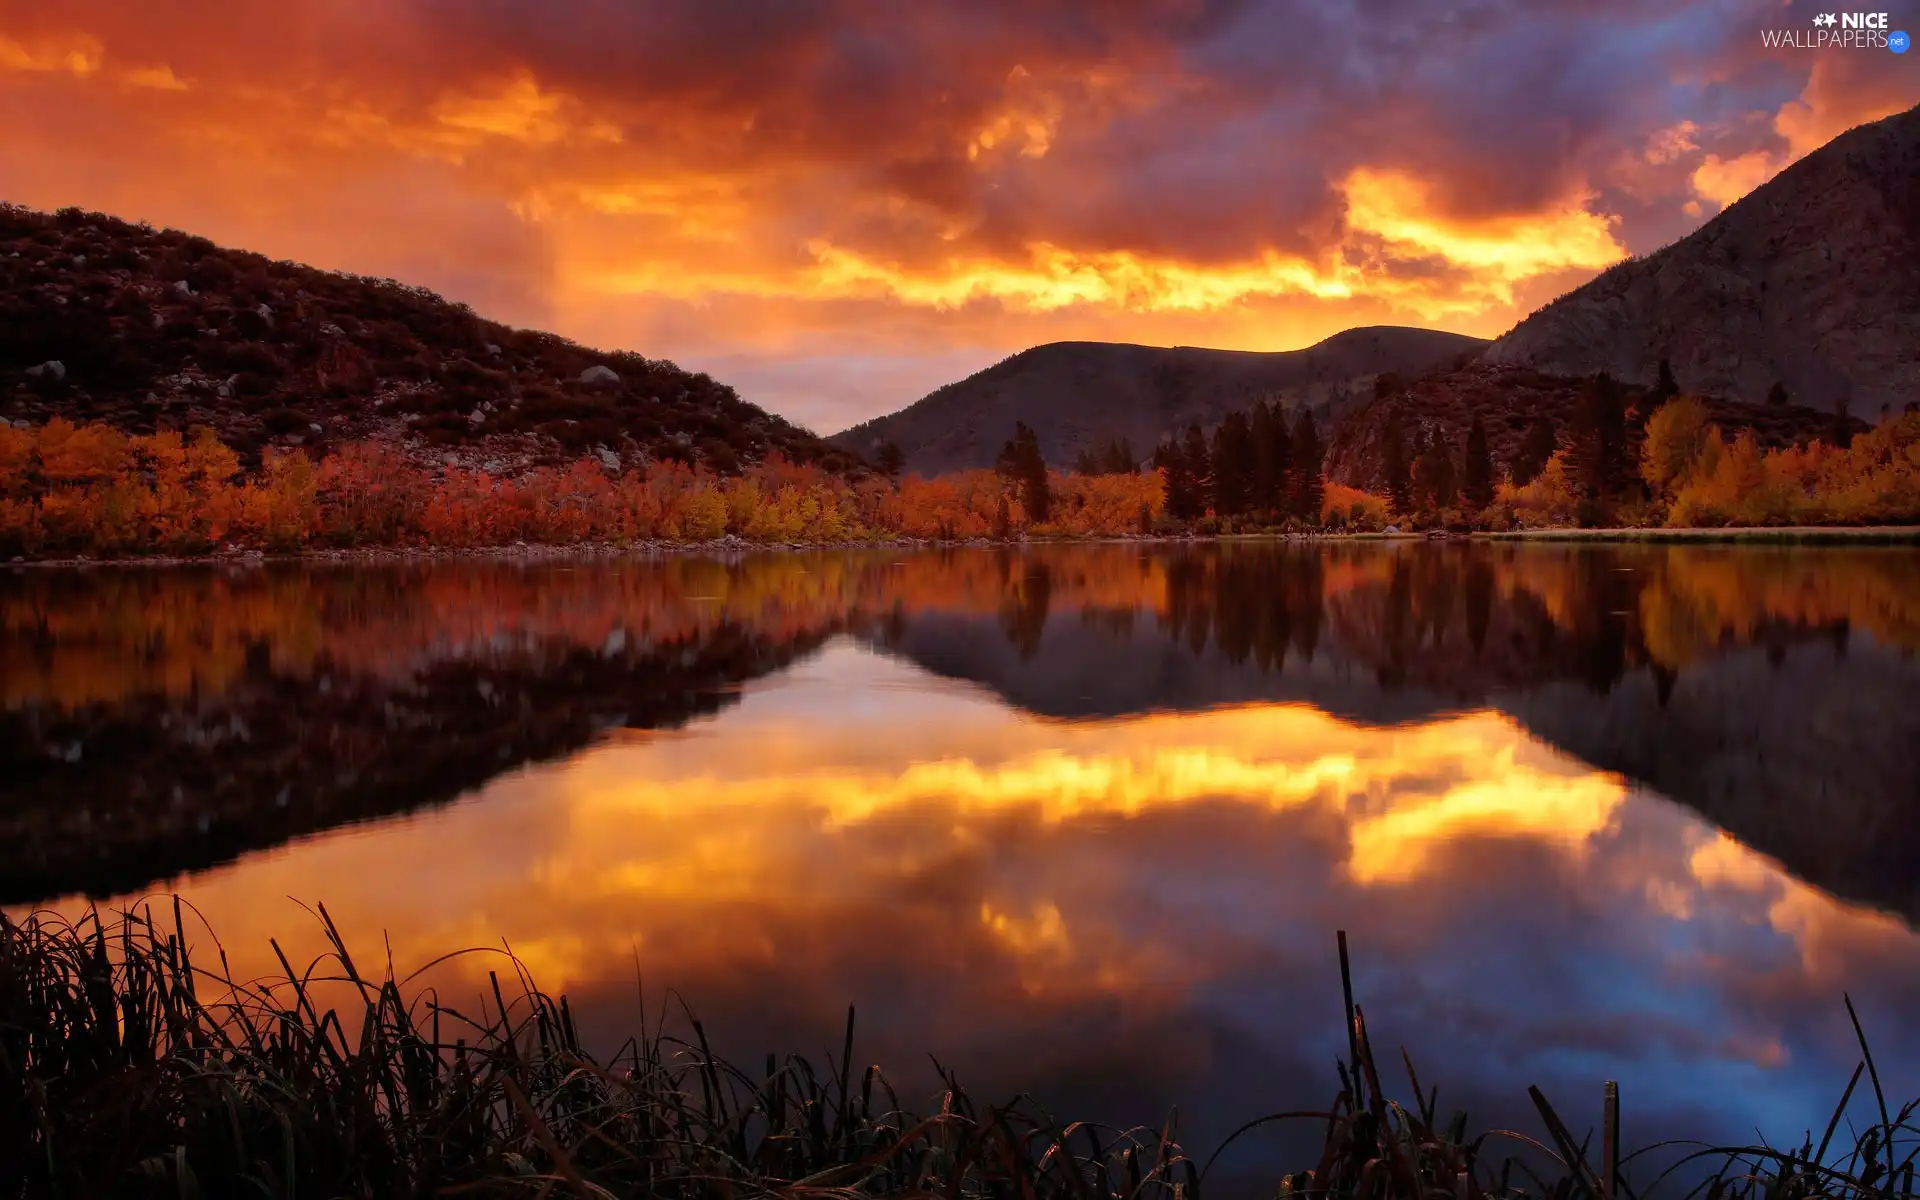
{"type": "Point", "coordinates": [128, 1068]}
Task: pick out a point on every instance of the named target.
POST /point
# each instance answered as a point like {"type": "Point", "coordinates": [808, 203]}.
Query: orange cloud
{"type": "Point", "coordinates": [917, 183]}
{"type": "Point", "coordinates": [1836, 98]}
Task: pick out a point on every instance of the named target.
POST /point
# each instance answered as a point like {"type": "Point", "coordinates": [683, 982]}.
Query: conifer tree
{"type": "Point", "coordinates": [1436, 484]}
{"type": "Point", "coordinates": [1233, 465]}
{"type": "Point", "coordinates": [1022, 464]}
{"type": "Point", "coordinates": [1476, 484]}
{"type": "Point", "coordinates": [1395, 470]}
{"type": "Point", "coordinates": [1168, 457]}
{"type": "Point", "coordinates": [1840, 430]}
{"type": "Point", "coordinates": [1600, 443]}
{"type": "Point", "coordinates": [1535, 449]}
{"type": "Point", "coordinates": [1664, 387]}
{"type": "Point", "coordinates": [1273, 452]}
{"type": "Point", "coordinates": [1199, 468]}
{"type": "Point", "coordinates": [1308, 488]}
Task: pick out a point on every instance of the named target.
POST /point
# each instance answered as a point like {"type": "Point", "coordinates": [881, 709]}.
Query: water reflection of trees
{"type": "Point", "coordinates": [157, 721]}
{"type": "Point", "coordinates": [1730, 680]}
{"type": "Point", "coordinates": [1466, 619]}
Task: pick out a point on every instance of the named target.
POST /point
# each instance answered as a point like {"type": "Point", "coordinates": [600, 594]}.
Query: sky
{"type": "Point", "coordinates": [838, 205]}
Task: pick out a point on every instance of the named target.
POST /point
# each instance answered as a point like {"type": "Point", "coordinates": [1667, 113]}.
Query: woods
{"type": "Point", "coordinates": [70, 489]}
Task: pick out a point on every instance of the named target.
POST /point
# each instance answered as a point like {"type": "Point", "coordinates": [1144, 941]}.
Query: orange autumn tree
{"type": "Point", "coordinates": [190, 501]}
{"type": "Point", "coordinates": [1343, 507]}
{"type": "Point", "coordinates": [1710, 481]}
{"type": "Point", "coordinates": [1550, 498]}
{"type": "Point", "coordinates": [19, 512]}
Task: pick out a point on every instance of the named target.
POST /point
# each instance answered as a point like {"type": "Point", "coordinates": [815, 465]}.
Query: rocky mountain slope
{"type": "Point", "coordinates": [108, 321]}
{"type": "Point", "coordinates": [1081, 395]}
{"type": "Point", "coordinates": [1811, 281]}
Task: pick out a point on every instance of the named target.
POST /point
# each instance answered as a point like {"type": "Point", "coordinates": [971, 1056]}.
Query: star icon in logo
{"type": "Point", "coordinates": [1825, 19]}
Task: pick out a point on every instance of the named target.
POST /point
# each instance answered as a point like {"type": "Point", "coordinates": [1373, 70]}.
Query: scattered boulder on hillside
{"type": "Point", "coordinates": [143, 328]}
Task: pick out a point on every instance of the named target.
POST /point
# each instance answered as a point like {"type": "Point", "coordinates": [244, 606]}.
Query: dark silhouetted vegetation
{"type": "Point", "coordinates": [134, 1065]}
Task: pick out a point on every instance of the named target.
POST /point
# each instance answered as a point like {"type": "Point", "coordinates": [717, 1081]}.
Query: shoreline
{"type": "Point", "coordinates": [1908, 535]}
{"type": "Point", "coordinates": [1864, 535]}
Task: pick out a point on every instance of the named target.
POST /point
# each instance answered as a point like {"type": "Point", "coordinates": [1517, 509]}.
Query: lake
{"type": "Point", "coordinates": [1077, 820]}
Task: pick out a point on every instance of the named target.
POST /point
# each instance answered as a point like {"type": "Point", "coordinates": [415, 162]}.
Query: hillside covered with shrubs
{"type": "Point", "coordinates": [151, 329]}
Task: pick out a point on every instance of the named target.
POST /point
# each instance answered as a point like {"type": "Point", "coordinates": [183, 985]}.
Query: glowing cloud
{"type": "Point", "coordinates": [1496, 251]}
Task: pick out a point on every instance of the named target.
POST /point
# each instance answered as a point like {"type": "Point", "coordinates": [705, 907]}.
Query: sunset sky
{"type": "Point", "coordinates": [836, 205]}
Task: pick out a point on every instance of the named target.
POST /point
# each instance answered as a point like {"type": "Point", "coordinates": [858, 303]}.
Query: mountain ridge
{"type": "Point", "coordinates": [107, 320]}
{"type": "Point", "coordinates": [1811, 281]}
{"type": "Point", "coordinates": [1114, 390]}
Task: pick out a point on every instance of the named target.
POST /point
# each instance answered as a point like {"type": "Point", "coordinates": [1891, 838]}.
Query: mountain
{"type": "Point", "coordinates": [1080, 395]}
{"type": "Point", "coordinates": [1678, 668]}
{"type": "Point", "coordinates": [1811, 281]}
{"type": "Point", "coordinates": [432, 683]}
{"type": "Point", "coordinates": [101, 320]}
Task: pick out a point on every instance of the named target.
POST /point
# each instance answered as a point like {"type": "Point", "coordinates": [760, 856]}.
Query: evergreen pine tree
{"type": "Point", "coordinates": [1840, 430]}
{"type": "Point", "coordinates": [1420, 474]}
{"type": "Point", "coordinates": [1435, 483]}
{"type": "Point", "coordinates": [1777, 395]}
{"type": "Point", "coordinates": [1601, 440]}
{"type": "Point", "coordinates": [891, 460]}
{"type": "Point", "coordinates": [1233, 465]}
{"type": "Point", "coordinates": [1273, 455]}
{"type": "Point", "coordinates": [1664, 387]}
{"type": "Point", "coordinates": [1395, 471]}
{"type": "Point", "coordinates": [1308, 488]}
{"type": "Point", "coordinates": [1446, 479]}
{"type": "Point", "coordinates": [1022, 464]}
{"type": "Point", "coordinates": [1199, 468]}
{"type": "Point", "coordinates": [1168, 458]}
{"type": "Point", "coordinates": [1535, 449]}
{"type": "Point", "coordinates": [1476, 485]}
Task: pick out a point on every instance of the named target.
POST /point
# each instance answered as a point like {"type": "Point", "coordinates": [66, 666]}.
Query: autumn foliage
{"type": "Point", "coordinates": [67, 489]}
{"type": "Point", "coordinates": [1705, 480]}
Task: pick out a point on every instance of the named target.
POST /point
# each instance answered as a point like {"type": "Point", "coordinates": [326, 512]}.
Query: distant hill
{"type": "Point", "coordinates": [142, 328]}
{"type": "Point", "coordinates": [1812, 281]}
{"type": "Point", "coordinates": [1080, 395]}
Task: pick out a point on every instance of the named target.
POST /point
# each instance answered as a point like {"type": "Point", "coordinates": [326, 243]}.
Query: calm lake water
{"type": "Point", "coordinates": [1079, 821]}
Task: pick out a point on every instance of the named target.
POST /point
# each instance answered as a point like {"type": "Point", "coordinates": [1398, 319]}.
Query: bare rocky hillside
{"type": "Point", "coordinates": [1811, 281]}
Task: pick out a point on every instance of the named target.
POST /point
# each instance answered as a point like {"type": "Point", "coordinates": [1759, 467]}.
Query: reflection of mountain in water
{"type": "Point", "coordinates": [153, 723]}
{"type": "Point", "coordinates": [1730, 681]}
{"type": "Point", "coordinates": [107, 796]}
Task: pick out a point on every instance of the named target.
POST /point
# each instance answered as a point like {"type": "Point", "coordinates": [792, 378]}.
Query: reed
{"type": "Point", "coordinates": [127, 1068]}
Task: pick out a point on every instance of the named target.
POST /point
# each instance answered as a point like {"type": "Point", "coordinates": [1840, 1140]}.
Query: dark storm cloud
{"type": "Point", "coordinates": [1240, 172]}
